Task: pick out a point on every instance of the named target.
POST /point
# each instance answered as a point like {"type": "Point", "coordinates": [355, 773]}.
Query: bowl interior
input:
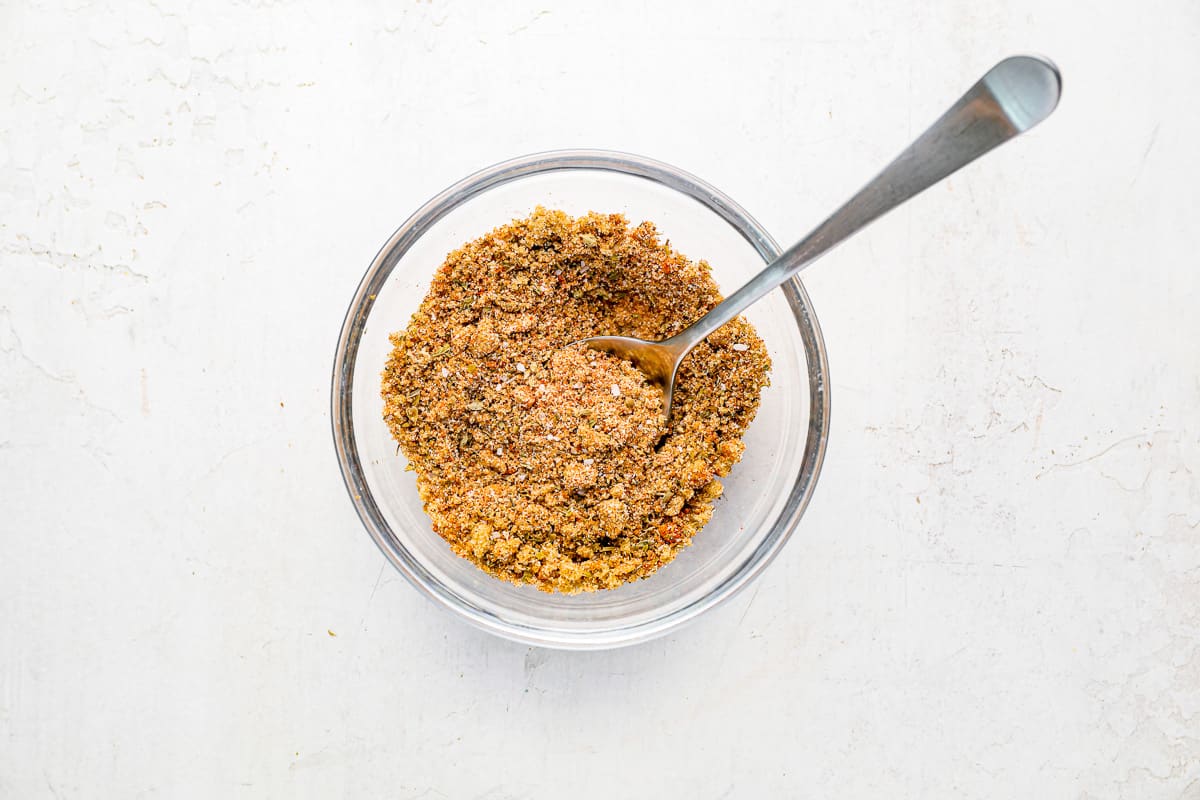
{"type": "Point", "coordinates": [760, 502]}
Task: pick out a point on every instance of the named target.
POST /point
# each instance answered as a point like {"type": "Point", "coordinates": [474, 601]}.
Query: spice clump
{"type": "Point", "coordinates": [542, 461]}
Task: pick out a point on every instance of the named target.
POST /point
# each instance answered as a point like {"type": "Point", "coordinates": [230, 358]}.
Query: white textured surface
{"type": "Point", "coordinates": [996, 592]}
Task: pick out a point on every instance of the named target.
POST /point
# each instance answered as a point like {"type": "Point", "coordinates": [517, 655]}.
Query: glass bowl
{"type": "Point", "coordinates": [765, 494]}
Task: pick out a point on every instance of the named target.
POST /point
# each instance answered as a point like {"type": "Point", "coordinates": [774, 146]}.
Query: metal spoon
{"type": "Point", "coordinates": [1011, 98]}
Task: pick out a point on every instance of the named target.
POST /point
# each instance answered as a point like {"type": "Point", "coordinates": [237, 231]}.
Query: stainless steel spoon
{"type": "Point", "coordinates": [1011, 98]}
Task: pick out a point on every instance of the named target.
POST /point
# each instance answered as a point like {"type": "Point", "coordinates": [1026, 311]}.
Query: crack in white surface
{"type": "Point", "coordinates": [1143, 437]}
{"type": "Point", "coordinates": [18, 349]}
{"type": "Point", "coordinates": [60, 259]}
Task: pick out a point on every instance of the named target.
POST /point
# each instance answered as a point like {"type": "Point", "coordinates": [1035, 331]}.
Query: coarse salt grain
{"type": "Point", "coordinates": [445, 372]}
{"type": "Point", "coordinates": [551, 437]}
{"type": "Point", "coordinates": [741, 348]}
{"type": "Point", "coordinates": [616, 390]}
{"type": "Point", "coordinates": [589, 461]}
{"type": "Point", "coordinates": [520, 368]}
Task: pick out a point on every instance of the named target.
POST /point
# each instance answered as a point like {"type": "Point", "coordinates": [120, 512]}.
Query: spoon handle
{"type": "Point", "coordinates": [1011, 98]}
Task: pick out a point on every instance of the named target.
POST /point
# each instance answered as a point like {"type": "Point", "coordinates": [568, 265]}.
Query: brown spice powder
{"type": "Point", "coordinates": [545, 462]}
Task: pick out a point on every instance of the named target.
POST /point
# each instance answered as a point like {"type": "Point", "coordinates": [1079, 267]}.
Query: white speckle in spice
{"type": "Point", "coordinates": [589, 461]}
{"type": "Point", "coordinates": [616, 390]}
{"type": "Point", "coordinates": [741, 348]}
{"type": "Point", "coordinates": [445, 372]}
{"type": "Point", "coordinates": [551, 437]}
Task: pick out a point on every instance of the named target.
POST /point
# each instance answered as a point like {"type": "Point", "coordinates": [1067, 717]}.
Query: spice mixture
{"type": "Point", "coordinates": [548, 463]}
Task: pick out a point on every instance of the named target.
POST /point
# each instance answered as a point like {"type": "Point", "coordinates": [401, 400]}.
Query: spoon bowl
{"type": "Point", "coordinates": [658, 361]}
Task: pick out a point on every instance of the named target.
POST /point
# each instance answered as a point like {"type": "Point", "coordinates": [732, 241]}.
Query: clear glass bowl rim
{"type": "Point", "coordinates": [342, 422]}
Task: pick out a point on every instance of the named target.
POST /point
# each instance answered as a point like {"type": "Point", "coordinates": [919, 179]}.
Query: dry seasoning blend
{"type": "Point", "coordinates": [541, 461]}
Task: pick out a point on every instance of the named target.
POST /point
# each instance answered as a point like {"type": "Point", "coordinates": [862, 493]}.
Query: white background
{"type": "Point", "coordinates": [995, 593]}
